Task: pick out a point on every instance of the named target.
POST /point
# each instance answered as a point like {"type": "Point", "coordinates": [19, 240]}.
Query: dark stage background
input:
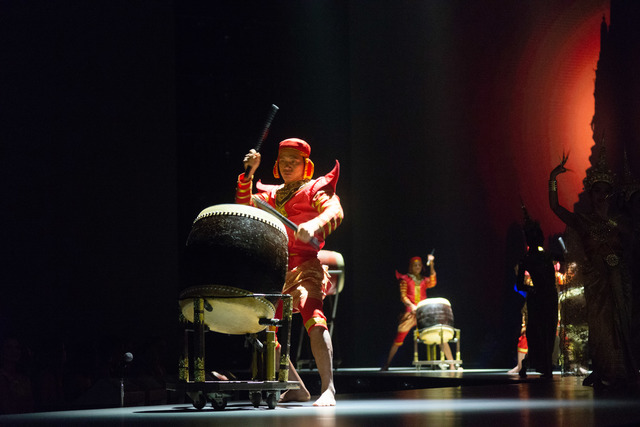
{"type": "Point", "coordinates": [121, 120]}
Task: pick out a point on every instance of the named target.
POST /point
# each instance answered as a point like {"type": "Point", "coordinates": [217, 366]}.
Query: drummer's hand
{"type": "Point", "coordinates": [430, 259]}
{"type": "Point", "coordinates": [251, 162]}
{"type": "Point", "coordinates": [413, 308]}
{"type": "Point", "coordinates": [306, 231]}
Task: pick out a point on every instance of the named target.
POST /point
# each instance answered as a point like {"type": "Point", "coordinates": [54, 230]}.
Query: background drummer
{"type": "Point", "coordinates": [413, 289]}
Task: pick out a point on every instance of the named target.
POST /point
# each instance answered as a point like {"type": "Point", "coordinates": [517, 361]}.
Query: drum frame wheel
{"type": "Point", "coordinates": [263, 385]}
{"type": "Point", "coordinates": [432, 349]}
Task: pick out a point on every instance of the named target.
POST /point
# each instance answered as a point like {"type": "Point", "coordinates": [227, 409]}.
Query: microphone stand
{"type": "Point", "coordinates": [126, 359]}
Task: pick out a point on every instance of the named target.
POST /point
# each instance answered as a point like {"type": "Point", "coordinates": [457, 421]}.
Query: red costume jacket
{"type": "Point", "coordinates": [409, 293]}
{"type": "Point", "coordinates": [314, 201]}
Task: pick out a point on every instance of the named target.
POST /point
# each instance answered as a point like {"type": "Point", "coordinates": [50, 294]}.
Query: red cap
{"type": "Point", "coordinates": [298, 145]}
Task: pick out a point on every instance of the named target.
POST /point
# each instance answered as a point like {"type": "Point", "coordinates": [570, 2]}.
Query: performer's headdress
{"type": "Point", "coordinates": [416, 259]}
{"type": "Point", "coordinates": [630, 185]}
{"type": "Point", "coordinates": [532, 230]}
{"type": "Point", "coordinates": [599, 172]}
{"type": "Point", "coordinates": [305, 151]}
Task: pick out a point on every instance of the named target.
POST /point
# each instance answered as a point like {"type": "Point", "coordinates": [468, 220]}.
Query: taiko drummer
{"type": "Point", "coordinates": [413, 289]}
{"type": "Point", "coordinates": [315, 208]}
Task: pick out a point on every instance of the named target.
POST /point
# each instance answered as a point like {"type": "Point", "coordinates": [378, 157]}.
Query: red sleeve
{"type": "Point", "coordinates": [243, 190]}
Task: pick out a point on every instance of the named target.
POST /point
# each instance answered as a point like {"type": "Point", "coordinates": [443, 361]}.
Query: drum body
{"type": "Point", "coordinates": [434, 316]}
{"type": "Point", "coordinates": [234, 251]}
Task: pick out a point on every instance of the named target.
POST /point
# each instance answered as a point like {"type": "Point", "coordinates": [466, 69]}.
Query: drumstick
{"type": "Point", "coordinates": [292, 225]}
{"type": "Point", "coordinates": [428, 260]}
{"type": "Point", "coordinates": [272, 113]}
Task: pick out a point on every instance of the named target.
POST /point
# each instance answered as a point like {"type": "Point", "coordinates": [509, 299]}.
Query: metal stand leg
{"type": "Point", "coordinates": [287, 310]}
{"type": "Point", "coordinates": [183, 363]}
{"type": "Point", "coordinates": [271, 356]}
{"type": "Point", "coordinates": [198, 317]}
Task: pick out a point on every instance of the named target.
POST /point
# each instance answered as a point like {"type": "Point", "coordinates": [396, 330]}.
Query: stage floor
{"type": "Point", "coordinates": [438, 398]}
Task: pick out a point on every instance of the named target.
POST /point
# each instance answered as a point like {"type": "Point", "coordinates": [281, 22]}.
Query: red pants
{"type": "Point", "coordinates": [406, 323]}
{"type": "Point", "coordinates": [306, 283]}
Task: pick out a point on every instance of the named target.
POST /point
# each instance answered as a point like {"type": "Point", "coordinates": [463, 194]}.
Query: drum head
{"type": "Point", "coordinates": [429, 301]}
{"type": "Point", "coordinates": [432, 335]}
{"type": "Point", "coordinates": [228, 310]}
{"type": "Point", "coordinates": [232, 209]}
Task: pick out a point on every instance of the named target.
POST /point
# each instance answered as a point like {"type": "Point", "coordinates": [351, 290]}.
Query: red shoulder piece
{"type": "Point", "coordinates": [265, 187]}
{"type": "Point", "coordinates": [401, 276]}
{"type": "Point", "coordinates": [329, 180]}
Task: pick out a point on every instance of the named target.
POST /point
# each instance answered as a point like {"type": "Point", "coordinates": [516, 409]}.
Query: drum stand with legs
{"type": "Point", "coordinates": [263, 384]}
{"type": "Point", "coordinates": [432, 350]}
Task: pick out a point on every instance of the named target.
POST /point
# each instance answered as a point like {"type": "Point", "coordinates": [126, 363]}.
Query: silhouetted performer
{"type": "Point", "coordinates": [542, 301]}
{"type": "Point", "coordinates": [630, 201]}
{"type": "Point", "coordinates": [606, 280]}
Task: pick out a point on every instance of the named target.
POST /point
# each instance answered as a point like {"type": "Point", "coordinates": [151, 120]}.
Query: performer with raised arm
{"type": "Point", "coordinates": [311, 204]}
{"type": "Point", "coordinates": [606, 280]}
{"type": "Point", "coordinates": [542, 300]}
{"type": "Point", "coordinates": [413, 289]}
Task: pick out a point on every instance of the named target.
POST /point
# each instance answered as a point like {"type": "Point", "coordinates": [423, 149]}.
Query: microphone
{"type": "Point", "coordinates": [126, 359]}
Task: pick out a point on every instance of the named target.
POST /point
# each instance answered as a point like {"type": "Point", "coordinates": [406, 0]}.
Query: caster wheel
{"type": "Point", "coordinates": [199, 401]}
{"type": "Point", "coordinates": [219, 403]}
{"type": "Point", "coordinates": [272, 400]}
{"type": "Point", "coordinates": [256, 398]}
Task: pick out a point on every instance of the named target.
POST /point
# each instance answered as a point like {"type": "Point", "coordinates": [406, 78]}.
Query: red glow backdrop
{"type": "Point", "coordinates": [551, 109]}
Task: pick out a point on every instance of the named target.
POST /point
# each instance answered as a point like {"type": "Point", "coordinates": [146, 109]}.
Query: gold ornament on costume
{"type": "Point", "coordinates": [284, 194]}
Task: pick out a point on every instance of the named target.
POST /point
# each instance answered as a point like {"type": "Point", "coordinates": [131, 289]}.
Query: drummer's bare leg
{"type": "Point", "coordinates": [519, 365]}
{"type": "Point", "coordinates": [392, 352]}
{"type": "Point", "coordinates": [322, 350]}
{"type": "Point", "coordinates": [447, 353]}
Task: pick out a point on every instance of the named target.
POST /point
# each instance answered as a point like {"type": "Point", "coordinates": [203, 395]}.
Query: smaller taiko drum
{"type": "Point", "coordinates": [435, 320]}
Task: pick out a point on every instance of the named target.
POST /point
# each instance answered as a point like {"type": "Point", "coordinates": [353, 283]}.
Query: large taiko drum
{"type": "Point", "coordinates": [333, 262]}
{"type": "Point", "coordinates": [434, 316]}
{"type": "Point", "coordinates": [234, 251]}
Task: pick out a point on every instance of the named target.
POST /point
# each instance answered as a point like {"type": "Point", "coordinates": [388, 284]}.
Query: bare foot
{"type": "Point", "coordinates": [219, 376]}
{"type": "Point", "coordinates": [328, 398]}
{"type": "Point", "coordinates": [514, 370]}
{"type": "Point", "coordinates": [299, 395]}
